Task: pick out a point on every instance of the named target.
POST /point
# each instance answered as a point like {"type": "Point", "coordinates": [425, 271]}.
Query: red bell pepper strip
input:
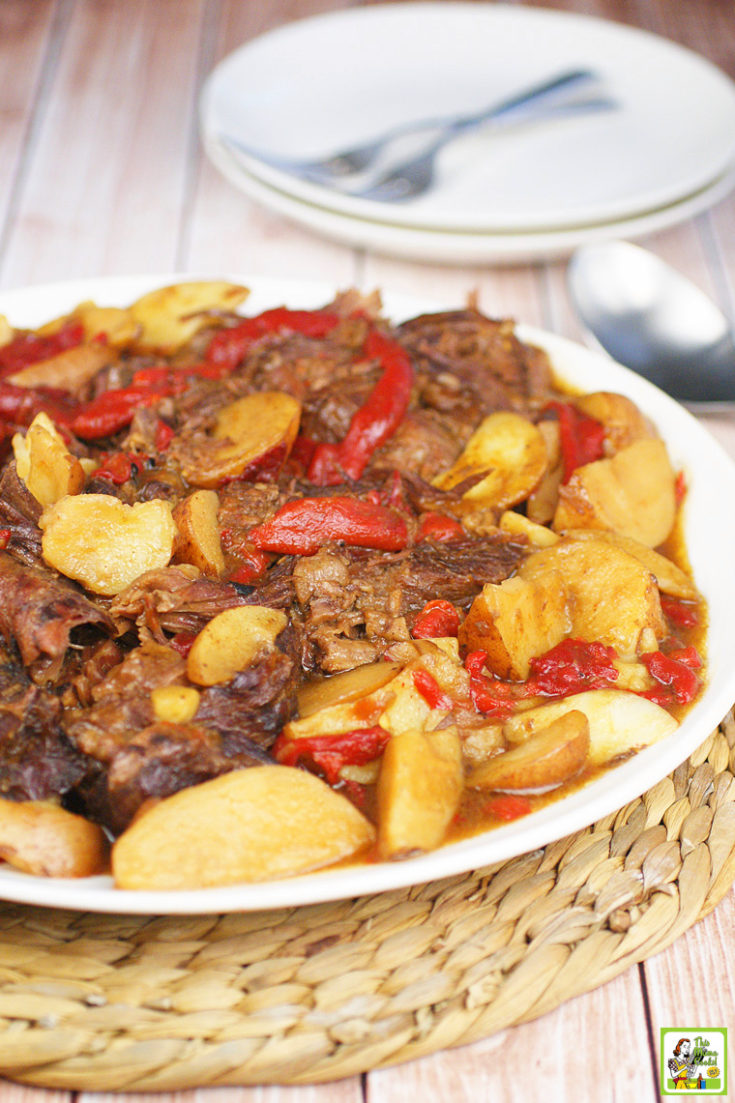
{"type": "Point", "coordinates": [164, 436]}
{"type": "Point", "coordinates": [118, 467]}
{"type": "Point", "coordinates": [19, 405]}
{"type": "Point", "coordinates": [5, 535]}
{"type": "Point", "coordinates": [680, 683]}
{"type": "Point", "coordinates": [582, 438]}
{"type": "Point", "coordinates": [29, 348]}
{"type": "Point", "coordinates": [255, 564]}
{"type": "Point", "coordinates": [229, 346]}
{"type": "Point", "coordinates": [571, 667]}
{"type": "Point", "coordinates": [439, 527]}
{"type": "Point", "coordinates": [490, 696]}
{"type": "Point", "coordinates": [374, 422]}
{"type": "Point", "coordinates": [182, 642]}
{"type": "Point", "coordinates": [507, 806]}
{"type": "Point", "coordinates": [437, 618]}
{"type": "Point", "coordinates": [330, 753]}
{"type": "Point", "coordinates": [302, 526]}
{"type": "Point", "coordinates": [682, 613]}
{"type": "Point", "coordinates": [111, 411]}
{"type": "Point", "coordinates": [431, 691]}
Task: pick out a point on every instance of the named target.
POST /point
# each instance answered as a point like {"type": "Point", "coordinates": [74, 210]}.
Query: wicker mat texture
{"type": "Point", "coordinates": [299, 995]}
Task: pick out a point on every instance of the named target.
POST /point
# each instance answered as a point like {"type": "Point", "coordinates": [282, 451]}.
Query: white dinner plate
{"type": "Point", "coordinates": [457, 247]}
{"type": "Point", "coordinates": [709, 529]}
{"type": "Point", "coordinates": [317, 85]}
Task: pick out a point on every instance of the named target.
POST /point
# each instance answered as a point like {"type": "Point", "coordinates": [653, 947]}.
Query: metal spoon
{"type": "Point", "coordinates": [655, 321]}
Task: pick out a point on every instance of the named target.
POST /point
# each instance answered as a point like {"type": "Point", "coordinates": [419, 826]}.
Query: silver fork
{"type": "Point", "coordinates": [345, 168]}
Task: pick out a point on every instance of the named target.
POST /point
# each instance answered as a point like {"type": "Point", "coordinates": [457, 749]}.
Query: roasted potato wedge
{"type": "Point", "coordinates": [68, 370]}
{"type": "Point", "coordinates": [619, 722]}
{"type": "Point", "coordinates": [198, 535]}
{"type": "Point", "coordinates": [350, 685]}
{"type": "Point", "coordinates": [518, 524]}
{"type": "Point", "coordinates": [248, 825]}
{"type": "Point", "coordinates": [670, 579]}
{"type": "Point", "coordinates": [509, 451]}
{"type": "Point", "coordinates": [168, 317]}
{"type": "Point", "coordinates": [549, 757]}
{"type": "Point", "coordinates": [41, 838]}
{"type": "Point", "coordinates": [257, 430]}
{"type": "Point", "coordinates": [232, 641]}
{"type": "Point", "coordinates": [516, 620]}
{"type": "Point", "coordinates": [175, 704]}
{"type": "Point", "coordinates": [104, 544]}
{"type": "Point", "coordinates": [44, 463]}
{"type": "Point", "coordinates": [610, 595]}
{"type": "Point", "coordinates": [116, 324]}
{"type": "Point", "coordinates": [419, 790]}
{"type": "Point", "coordinates": [542, 500]}
{"type": "Point", "coordinates": [631, 493]}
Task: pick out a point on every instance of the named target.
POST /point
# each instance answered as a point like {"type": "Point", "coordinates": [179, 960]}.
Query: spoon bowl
{"type": "Point", "coordinates": [652, 319]}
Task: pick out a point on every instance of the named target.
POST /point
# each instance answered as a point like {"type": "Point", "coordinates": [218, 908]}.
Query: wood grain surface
{"type": "Point", "coordinates": [103, 173]}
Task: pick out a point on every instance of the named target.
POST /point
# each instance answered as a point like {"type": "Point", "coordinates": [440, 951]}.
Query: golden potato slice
{"type": "Point", "coordinates": [631, 493]}
{"type": "Point", "coordinates": [342, 688]}
{"type": "Point", "coordinates": [198, 534]}
{"type": "Point", "coordinates": [510, 451]}
{"type": "Point", "coordinates": [549, 757]}
{"type": "Point", "coordinates": [175, 704]}
{"type": "Point", "coordinates": [44, 463]}
{"type": "Point", "coordinates": [68, 370]}
{"type": "Point", "coordinates": [104, 544]}
{"type": "Point", "coordinates": [517, 524]}
{"type": "Point", "coordinates": [517, 619]}
{"type": "Point", "coordinates": [419, 789]}
{"type": "Point", "coordinates": [543, 499]}
{"type": "Point", "coordinates": [115, 324]}
{"type": "Point", "coordinates": [41, 838]}
{"type": "Point", "coordinates": [624, 423]}
{"type": "Point", "coordinates": [258, 428]}
{"type": "Point", "coordinates": [170, 316]}
{"type": "Point", "coordinates": [669, 578]}
{"type": "Point", "coordinates": [619, 722]}
{"type": "Point", "coordinates": [610, 595]}
{"type": "Point", "coordinates": [248, 825]}
{"type": "Point", "coordinates": [231, 641]}
{"type": "Point", "coordinates": [7, 332]}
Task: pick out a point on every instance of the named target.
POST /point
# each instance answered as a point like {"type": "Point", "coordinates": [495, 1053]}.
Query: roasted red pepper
{"type": "Point", "coordinates": [182, 642]}
{"type": "Point", "coordinates": [5, 535]}
{"type": "Point", "coordinates": [164, 436]}
{"type": "Point", "coordinates": [229, 346]}
{"type": "Point", "coordinates": [302, 526]}
{"type": "Point", "coordinates": [374, 422]}
{"type": "Point", "coordinates": [118, 467]}
{"type": "Point", "coordinates": [329, 753]}
{"type": "Point", "coordinates": [113, 410]}
{"type": "Point", "coordinates": [439, 527]}
{"type": "Point", "coordinates": [490, 696]}
{"type": "Point", "coordinates": [19, 405]}
{"type": "Point", "coordinates": [437, 618]}
{"type": "Point", "coordinates": [680, 685]}
{"type": "Point", "coordinates": [29, 348]}
{"type": "Point", "coordinates": [582, 438]}
{"type": "Point", "coordinates": [254, 565]}
{"type": "Point", "coordinates": [507, 806]}
{"type": "Point", "coordinates": [571, 667]}
{"type": "Point", "coordinates": [682, 613]}
{"type": "Point", "coordinates": [431, 691]}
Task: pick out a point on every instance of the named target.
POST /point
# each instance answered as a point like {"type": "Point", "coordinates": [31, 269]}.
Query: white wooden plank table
{"type": "Point", "coordinates": [102, 173]}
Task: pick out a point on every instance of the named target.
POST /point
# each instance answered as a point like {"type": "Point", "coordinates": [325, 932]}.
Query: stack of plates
{"type": "Point", "coordinates": [664, 152]}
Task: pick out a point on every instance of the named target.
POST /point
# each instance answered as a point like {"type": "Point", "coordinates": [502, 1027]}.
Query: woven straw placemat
{"type": "Point", "coordinates": [102, 1002]}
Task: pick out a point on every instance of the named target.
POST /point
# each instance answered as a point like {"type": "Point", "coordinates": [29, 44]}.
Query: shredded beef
{"type": "Point", "coordinates": [37, 761]}
{"type": "Point", "coordinates": [174, 599]}
{"type": "Point", "coordinates": [38, 612]}
{"type": "Point", "coordinates": [470, 365]}
{"type": "Point", "coordinates": [19, 514]}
